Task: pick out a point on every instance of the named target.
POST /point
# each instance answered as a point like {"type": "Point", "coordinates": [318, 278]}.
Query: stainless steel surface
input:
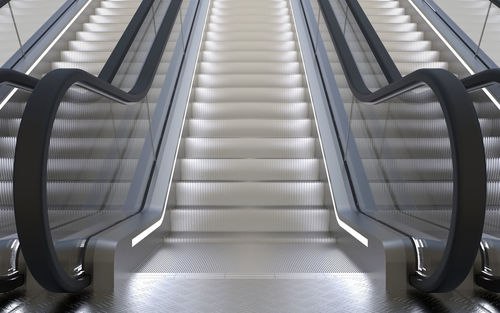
{"type": "Point", "coordinates": [337, 292]}
{"type": "Point", "coordinates": [249, 161]}
{"type": "Point", "coordinates": [248, 221]}
{"type": "Point", "coordinates": [250, 258]}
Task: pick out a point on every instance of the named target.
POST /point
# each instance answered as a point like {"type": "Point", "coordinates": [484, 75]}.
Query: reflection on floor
{"type": "Point", "coordinates": [353, 292]}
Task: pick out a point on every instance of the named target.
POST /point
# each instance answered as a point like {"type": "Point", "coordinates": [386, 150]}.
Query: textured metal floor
{"type": "Point", "coordinates": [167, 293]}
{"type": "Point", "coordinates": [254, 259]}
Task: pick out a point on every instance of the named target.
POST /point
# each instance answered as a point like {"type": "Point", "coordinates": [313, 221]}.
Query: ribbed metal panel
{"type": "Point", "coordinates": [250, 169]}
{"type": "Point", "coordinates": [250, 193]}
{"type": "Point", "coordinates": [248, 219]}
{"type": "Point", "coordinates": [249, 147]}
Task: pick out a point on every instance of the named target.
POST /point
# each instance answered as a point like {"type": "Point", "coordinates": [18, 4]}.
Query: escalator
{"type": "Point", "coordinates": [423, 166]}
{"type": "Point", "coordinates": [250, 173]}
{"type": "Point", "coordinates": [82, 125]}
{"type": "Point", "coordinates": [237, 189]}
{"type": "Point", "coordinates": [406, 43]}
{"type": "Point", "coordinates": [477, 23]}
{"type": "Point", "coordinates": [231, 140]}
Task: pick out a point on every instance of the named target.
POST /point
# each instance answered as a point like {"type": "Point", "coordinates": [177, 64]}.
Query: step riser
{"type": "Point", "coordinates": [250, 110]}
{"type": "Point", "coordinates": [249, 220]}
{"type": "Point", "coordinates": [249, 170]}
{"type": "Point", "coordinates": [250, 194]}
{"type": "Point", "coordinates": [250, 128]}
{"type": "Point", "coordinates": [250, 148]}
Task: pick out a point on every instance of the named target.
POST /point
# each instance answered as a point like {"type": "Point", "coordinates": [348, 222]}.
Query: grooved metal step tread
{"type": "Point", "coordinates": [249, 158]}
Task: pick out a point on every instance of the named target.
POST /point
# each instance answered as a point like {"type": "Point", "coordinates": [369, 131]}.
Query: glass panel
{"type": "Point", "coordinates": [324, 42]}
{"type": "Point", "coordinates": [403, 144]}
{"type": "Point", "coordinates": [8, 36]}
{"type": "Point", "coordinates": [84, 166]}
{"type": "Point", "coordinates": [315, 32]}
{"type": "Point", "coordinates": [489, 115]}
{"type": "Point", "coordinates": [96, 146]}
{"type": "Point", "coordinates": [490, 42]}
{"type": "Point", "coordinates": [470, 16]}
{"type": "Point", "coordinates": [28, 16]}
{"type": "Point", "coordinates": [11, 117]}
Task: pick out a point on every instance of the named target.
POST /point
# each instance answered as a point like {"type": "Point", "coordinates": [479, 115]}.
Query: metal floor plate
{"type": "Point", "coordinates": [250, 258]}
{"type": "Point", "coordinates": [354, 292]}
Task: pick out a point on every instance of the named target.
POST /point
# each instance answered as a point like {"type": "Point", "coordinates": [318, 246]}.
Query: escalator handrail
{"type": "Point", "coordinates": [468, 157]}
{"type": "Point", "coordinates": [387, 65]}
{"type": "Point", "coordinates": [30, 178]}
{"type": "Point", "coordinates": [118, 54]}
{"type": "Point", "coordinates": [482, 79]}
{"type": "Point", "coordinates": [17, 79]}
{"type": "Point", "coordinates": [472, 83]}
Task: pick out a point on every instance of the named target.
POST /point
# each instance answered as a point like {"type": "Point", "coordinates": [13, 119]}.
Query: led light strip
{"type": "Point", "coordinates": [148, 231]}
{"type": "Point", "coordinates": [357, 235]}
{"type": "Point", "coordinates": [44, 53]}
{"type": "Point", "coordinates": [457, 55]}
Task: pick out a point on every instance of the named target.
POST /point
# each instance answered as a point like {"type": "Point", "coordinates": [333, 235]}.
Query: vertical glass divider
{"type": "Point", "coordinates": [17, 30]}
{"type": "Point", "coordinates": [318, 18]}
{"type": "Point", "coordinates": [182, 31]}
{"type": "Point", "coordinates": [353, 100]}
{"type": "Point", "coordinates": [150, 128]}
{"type": "Point", "coordinates": [483, 29]}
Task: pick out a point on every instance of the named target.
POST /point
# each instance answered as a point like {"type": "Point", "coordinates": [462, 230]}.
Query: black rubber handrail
{"type": "Point", "coordinates": [118, 54]}
{"type": "Point", "coordinates": [482, 79]}
{"type": "Point", "coordinates": [496, 2]}
{"type": "Point", "coordinates": [17, 79]}
{"type": "Point", "coordinates": [31, 156]}
{"type": "Point", "coordinates": [389, 68]}
{"type": "Point", "coordinates": [468, 157]}
{"type": "Point", "coordinates": [387, 65]}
